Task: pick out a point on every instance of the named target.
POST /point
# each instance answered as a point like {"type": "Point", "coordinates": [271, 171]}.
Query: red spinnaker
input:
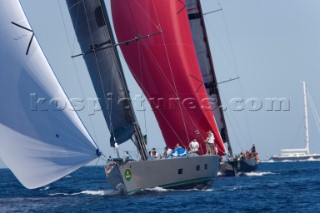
{"type": "Point", "coordinates": [165, 65]}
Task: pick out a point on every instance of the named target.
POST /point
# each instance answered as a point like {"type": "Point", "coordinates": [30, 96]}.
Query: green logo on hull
{"type": "Point", "coordinates": [127, 174]}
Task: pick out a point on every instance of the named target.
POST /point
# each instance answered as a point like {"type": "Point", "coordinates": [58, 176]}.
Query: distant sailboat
{"type": "Point", "coordinates": [200, 38]}
{"type": "Point", "coordinates": [298, 154]}
{"type": "Point", "coordinates": [43, 144]}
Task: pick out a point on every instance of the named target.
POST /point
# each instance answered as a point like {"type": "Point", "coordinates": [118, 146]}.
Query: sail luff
{"type": "Point", "coordinates": [42, 137]}
{"type": "Point", "coordinates": [200, 38]}
{"type": "Point", "coordinates": [94, 34]}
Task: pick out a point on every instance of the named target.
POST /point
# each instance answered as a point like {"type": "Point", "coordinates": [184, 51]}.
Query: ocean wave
{"type": "Point", "coordinates": [89, 192]}
{"type": "Point", "coordinates": [45, 189]}
{"type": "Point", "coordinates": [158, 189]}
{"type": "Point", "coordinates": [57, 194]}
{"type": "Point", "coordinates": [99, 192]}
{"type": "Point", "coordinates": [258, 173]}
{"type": "Point", "coordinates": [207, 190]}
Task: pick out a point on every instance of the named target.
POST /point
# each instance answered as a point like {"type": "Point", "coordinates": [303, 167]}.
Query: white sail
{"type": "Point", "coordinates": [39, 141]}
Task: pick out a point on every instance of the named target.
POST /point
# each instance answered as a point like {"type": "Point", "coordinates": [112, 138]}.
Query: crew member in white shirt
{"type": "Point", "coordinates": [194, 146]}
{"type": "Point", "coordinates": [210, 142]}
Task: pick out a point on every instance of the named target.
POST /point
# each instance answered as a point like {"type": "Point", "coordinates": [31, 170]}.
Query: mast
{"type": "Point", "coordinates": [201, 43]}
{"type": "Point", "coordinates": [93, 29]}
{"type": "Point", "coordinates": [306, 116]}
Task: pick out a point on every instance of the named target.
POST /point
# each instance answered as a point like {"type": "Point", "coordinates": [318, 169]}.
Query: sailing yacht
{"type": "Point", "coordinates": [43, 143]}
{"type": "Point", "coordinates": [298, 154]}
{"type": "Point", "coordinates": [198, 27]}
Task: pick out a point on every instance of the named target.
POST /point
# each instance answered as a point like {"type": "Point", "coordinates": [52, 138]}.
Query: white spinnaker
{"type": "Point", "coordinates": [39, 142]}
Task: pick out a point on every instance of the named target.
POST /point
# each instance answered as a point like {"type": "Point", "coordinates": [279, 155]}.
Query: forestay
{"type": "Point", "coordinates": [39, 142]}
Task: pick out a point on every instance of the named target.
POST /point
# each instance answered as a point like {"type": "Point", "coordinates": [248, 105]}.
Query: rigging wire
{"type": "Point", "coordinates": [235, 69]}
{"type": "Point", "coordinates": [159, 111]}
{"type": "Point", "coordinates": [222, 101]}
{"type": "Point", "coordinates": [172, 75]}
{"type": "Point", "coordinates": [106, 35]}
{"type": "Point", "coordinates": [138, 136]}
{"type": "Point", "coordinates": [161, 73]}
{"type": "Point", "coordinates": [238, 71]}
{"type": "Point", "coordinates": [145, 124]}
{"type": "Point", "coordinates": [144, 110]}
{"type": "Point", "coordinates": [314, 110]}
{"type": "Point", "coordinates": [76, 69]}
{"type": "Point", "coordinates": [234, 132]}
{"type": "Point", "coordinates": [315, 114]}
{"type": "Point", "coordinates": [232, 120]}
{"type": "Point", "coordinates": [111, 128]}
{"type": "Point", "coordinates": [295, 138]}
{"type": "Point", "coordinates": [122, 57]}
{"type": "Point", "coordinates": [148, 94]}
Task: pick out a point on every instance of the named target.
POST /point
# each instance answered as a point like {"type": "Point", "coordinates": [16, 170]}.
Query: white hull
{"type": "Point", "coordinates": [187, 172]}
{"type": "Point", "coordinates": [295, 157]}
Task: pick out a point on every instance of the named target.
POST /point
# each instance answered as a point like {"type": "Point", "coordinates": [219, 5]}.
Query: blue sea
{"type": "Point", "coordinates": [275, 187]}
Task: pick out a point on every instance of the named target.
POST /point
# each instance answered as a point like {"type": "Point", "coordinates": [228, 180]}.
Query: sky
{"type": "Point", "coordinates": [270, 45]}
